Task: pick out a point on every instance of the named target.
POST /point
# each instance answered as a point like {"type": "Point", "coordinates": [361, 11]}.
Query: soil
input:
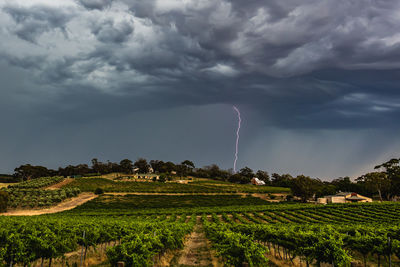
{"type": "Point", "coordinates": [66, 205]}
{"type": "Point", "coordinates": [60, 184]}
{"type": "Point", "coordinates": [197, 251]}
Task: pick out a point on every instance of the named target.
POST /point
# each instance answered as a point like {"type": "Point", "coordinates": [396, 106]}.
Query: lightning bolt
{"type": "Point", "coordinates": [237, 137]}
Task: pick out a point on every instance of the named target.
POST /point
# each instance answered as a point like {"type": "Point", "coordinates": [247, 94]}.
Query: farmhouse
{"type": "Point", "coordinates": [257, 181]}
{"type": "Point", "coordinates": [148, 176]}
{"type": "Point", "coordinates": [343, 197]}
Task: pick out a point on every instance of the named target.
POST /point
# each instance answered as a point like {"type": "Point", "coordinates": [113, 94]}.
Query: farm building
{"type": "Point", "coordinates": [257, 181]}
{"type": "Point", "coordinates": [148, 176]}
{"type": "Point", "coordinates": [343, 197]}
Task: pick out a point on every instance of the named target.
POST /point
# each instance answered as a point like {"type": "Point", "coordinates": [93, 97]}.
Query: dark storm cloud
{"type": "Point", "coordinates": [280, 38]}
{"type": "Point", "coordinates": [297, 65]}
{"type": "Point", "coordinates": [95, 4]}
{"type": "Point", "coordinates": [32, 62]}
{"type": "Point", "coordinates": [108, 31]}
{"type": "Point", "coordinates": [34, 21]}
{"type": "Point", "coordinates": [279, 57]}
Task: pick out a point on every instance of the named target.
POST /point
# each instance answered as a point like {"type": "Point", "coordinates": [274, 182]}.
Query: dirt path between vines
{"type": "Point", "coordinates": [197, 251]}
{"type": "Point", "coordinates": [66, 205]}
{"type": "Point", "coordinates": [60, 184]}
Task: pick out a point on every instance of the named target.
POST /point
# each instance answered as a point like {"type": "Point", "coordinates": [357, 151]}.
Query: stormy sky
{"type": "Point", "coordinates": [317, 83]}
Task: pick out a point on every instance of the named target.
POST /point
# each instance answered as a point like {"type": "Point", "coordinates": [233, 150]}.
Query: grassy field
{"type": "Point", "coordinates": [90, 184]}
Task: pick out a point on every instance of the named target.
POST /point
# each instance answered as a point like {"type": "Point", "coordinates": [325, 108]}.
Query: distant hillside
{"type": "Point", "coordinates": [8, 178]}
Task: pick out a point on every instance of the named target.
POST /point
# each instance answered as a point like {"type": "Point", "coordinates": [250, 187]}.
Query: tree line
{"type": "Point", "coordinates": [141, 165]}
{"type": "Point", "coordinates": [384, 182]}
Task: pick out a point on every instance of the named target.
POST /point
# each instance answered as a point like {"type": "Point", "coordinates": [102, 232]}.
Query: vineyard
{"type": "Point", "coordinates": [139, 230]}
{"type": "Point", "coordinates": [259, 209]}
{"type": "Point", "coordinates": [33, 198]}
{"type": "Point", "coordinates": [334, 244]}
{"type": "Point", "coordinates": [37, 183]}
{"type": "Point", "coordinates": [27, 240]}
{"type": "Point", "coordinates": [90, 184]}
{"type": "Point", "coordinates": [30, 194]}
{"type": "Point", "coordinates": [154, 230]}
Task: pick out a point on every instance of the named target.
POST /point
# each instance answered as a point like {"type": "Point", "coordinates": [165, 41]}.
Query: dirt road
{"type": "Point", "coordinates": [59, 185]}
{"type": "Point", "coordinates": [66, 205]}
{"type": "Point", "coordinates": [196, 251]}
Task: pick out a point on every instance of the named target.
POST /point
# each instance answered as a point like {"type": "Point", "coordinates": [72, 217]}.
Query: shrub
{"type": "Point", "coordinates": [56, 199]}
{"type": "Point", "coordinates": [99, 191]}
{"type": "Point", "coordinates": [3, 201]}
{"type": "Point", "coordinates": [163, 178]}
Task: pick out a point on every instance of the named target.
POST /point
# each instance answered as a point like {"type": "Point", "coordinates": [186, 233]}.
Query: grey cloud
{"type": "Point", "coordinates": [281, 38]}
{"type": "Point", "coordinates": [96, 4]}
{"type": "Point", "coordinates": [305, 68]}
{"type": "Point", "coordinates": [111, 32]}
{"type": "Point", "coordinates": [296, 64]}
{"type": "Point", "coordinates": [34, 21]}
{"type": "Point", "coordinates": [32, 62]}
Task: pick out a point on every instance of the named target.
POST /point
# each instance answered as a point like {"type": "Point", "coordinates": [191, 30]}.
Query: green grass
{"type": "Point", "coordinates": [90, 184]}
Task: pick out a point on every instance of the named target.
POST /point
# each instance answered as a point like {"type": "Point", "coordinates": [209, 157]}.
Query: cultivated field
{"type": "Point", "coordinates": [207, 186]}
{"type": "Point", "coordinates": [201, 230]}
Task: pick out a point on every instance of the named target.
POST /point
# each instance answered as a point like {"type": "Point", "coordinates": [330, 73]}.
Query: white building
{"type": "Point", "coordinates": [343, 197]}
{"type": "Point", "coordinates": [257, 181]}
{"type": "Point", "coordinates": [148, 176]}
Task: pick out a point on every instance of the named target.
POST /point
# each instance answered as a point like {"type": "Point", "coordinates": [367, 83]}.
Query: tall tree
{"type": "Point", "coordinates": [214, 172]}
{"type": "Point", "coordinates": [238, 178]}
{"type": "Point", "coordinates": [247, 172]}
{"type": "Point", "coordinates": [126, 166]}
{"type": "Point", "coordinates": [392, 170]}
{"type": "Point", "coordinates": [186, 167]}
{"type": "Point", "coordinates": [168, 167]}
{"type": "Point", "coordinates": [304, 187]}
{"type": "Point", "coordinates": [263, 176]}
{"type": "Point", "coordinates": [189, 164]}
{"type": "Point", "coordinates": [377, 182]}
{"type": "Point", "coordinates": [142, 165]}
{"type": "Point", "coordinates": [344, 184]}
{"type": "Point", "coordinates": [27, 172]}
{"type": "Point", "coordinates": [157, 165]}
{"type": "Point", "coordinates": [97, 166]}
{"type": "Point", "coordinates": [283, 180]}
